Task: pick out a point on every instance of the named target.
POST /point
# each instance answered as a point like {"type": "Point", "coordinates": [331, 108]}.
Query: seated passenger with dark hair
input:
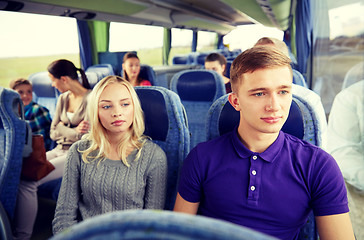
{"type": "Point", "coordinates": [131, 70]}
{"type": "Point", "coordinates": [258, 176]}
{"type": "Point", "coordinates": [36, 115]}
{"type": "Point", "coordinates": [217, 63]}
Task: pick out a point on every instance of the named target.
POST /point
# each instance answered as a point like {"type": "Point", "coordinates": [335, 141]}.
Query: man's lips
{"type": "Point", "coordinates": [271, 119]}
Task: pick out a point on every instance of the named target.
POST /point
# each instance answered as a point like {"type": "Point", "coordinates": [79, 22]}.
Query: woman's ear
{"type": "Point", "coordinates": [234, 101]}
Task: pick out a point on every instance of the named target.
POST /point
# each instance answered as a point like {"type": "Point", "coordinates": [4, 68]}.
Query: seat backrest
{"type": "Point", "coordinates": [153, 225]}
{"type": "Point", "coordinates": [115, 59]}
{"type": "Point", "coordinates": [306, 121]}
{"type": "Point", "coordinates": [147, 72]}
{"type": "Point", "coordinates": [13, 135]}
{"type": "Point", "coordinates": [355, 74]}
{"type": "Point", "coordinates": [298, 78]}
{"type": "Point", "coordinates": [198, 89]}
{"type": "Point", "coordinates": [46, 95]}
{"type": "Point", "coordinates": [166, 124]}
{"type": "Point", "coordinates": [92, 78]}
{"type": "Point", "coordinates": [180, 59]}
{"type": "Point", "coordinates": [102, 70]}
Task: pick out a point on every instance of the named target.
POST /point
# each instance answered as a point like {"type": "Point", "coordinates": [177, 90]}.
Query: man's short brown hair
{"type": "Point", "coordinates": [259, 57]}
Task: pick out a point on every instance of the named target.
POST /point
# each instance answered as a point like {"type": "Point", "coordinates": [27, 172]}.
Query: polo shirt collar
{"type": "Point", "coordinates": [269, 155]}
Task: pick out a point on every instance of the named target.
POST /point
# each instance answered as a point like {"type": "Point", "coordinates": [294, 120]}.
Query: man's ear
{"type": "Point", "coordinates": [234, 101]}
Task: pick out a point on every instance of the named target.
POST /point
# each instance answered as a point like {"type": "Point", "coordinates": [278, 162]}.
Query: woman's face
{"type": "Point", "coordinates": [132, 67]}
{"type": "Point", "coordinates": [58, 83]}
{"type": "Point", "coordinates": [116, 109]}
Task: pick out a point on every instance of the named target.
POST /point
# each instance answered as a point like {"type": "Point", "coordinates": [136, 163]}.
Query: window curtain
{"type": "Point", "coordinates": [167, 41]}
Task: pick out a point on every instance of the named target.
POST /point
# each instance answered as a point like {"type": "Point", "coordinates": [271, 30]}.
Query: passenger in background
{"type": "Point", "coordinates": [68, 125]}
{"type": "Point", "coordinates": [274, 42]}
{"type": "Point", "coordinates": [345, 143]}
{"type": "Point", "coordinates": [258, 176]}
{"type": "Point", "coordinates": [114, 167]}
{"type": "Point", "coordinates": [131, 70]}
{"type": "Point", "coordinates": [217, 62]}
{"type": "Point", "coordinates": [36, 115]}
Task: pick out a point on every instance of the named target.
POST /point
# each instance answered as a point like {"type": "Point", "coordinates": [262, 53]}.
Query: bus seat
{"type": "Point", "coordinates": [92, 78]}
{"type": "Point", "coordinates": [46, 94]}
{"type": "Point", "coordinates": [154, 225]}
{"type": "Point", "coordinates": [115, 59]}
{"type": "Point", "coordinates": [166, 124]}
{"type": "Point", "coordinates": [298, 78]}
{"type": "Point", "coordinates": [146, 73]}
{"type": "Point", "coordinates": [102, 70]}
{"type": "Point", "coordinates": [198, 89]}
{"type": "Point", "coordinates": [180, 59]}
{"type": "Point", "coordinates": [355, 74]}
{"type": "Point", "coordinates": [5, 228]}
{"type": "Point", "coordinates": [200, 59]}
{"type": "Point", "coordinates": [227, 70]}
{"type": "Point", "coordinates": [13, 134]}
{"type": "Point", "coordinates": [306, 121]}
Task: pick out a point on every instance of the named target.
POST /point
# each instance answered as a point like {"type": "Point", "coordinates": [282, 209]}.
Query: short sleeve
{"type": "Point", "coordinates": [190, 183]}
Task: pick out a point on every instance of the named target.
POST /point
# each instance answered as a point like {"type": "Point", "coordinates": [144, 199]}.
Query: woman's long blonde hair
{"type": "Point", "coordinates": [133, 138]}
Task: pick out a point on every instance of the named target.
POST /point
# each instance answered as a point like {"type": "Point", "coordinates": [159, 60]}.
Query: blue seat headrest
{"type": "Point", "coordinates": [154, 107]}
{"type": "Point", "coordinates": [197, 86]}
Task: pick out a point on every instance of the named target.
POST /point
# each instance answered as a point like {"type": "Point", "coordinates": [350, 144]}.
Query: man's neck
{"type": "Point", "coordinates": [257, 142]}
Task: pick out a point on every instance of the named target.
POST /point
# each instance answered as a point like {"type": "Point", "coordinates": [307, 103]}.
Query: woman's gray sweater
{"type": "Point", "coordinates": [90, 189]}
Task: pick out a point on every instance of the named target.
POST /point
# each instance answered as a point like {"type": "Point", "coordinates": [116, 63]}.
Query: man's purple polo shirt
{"type": "Point", "coordinates": [272, 192]}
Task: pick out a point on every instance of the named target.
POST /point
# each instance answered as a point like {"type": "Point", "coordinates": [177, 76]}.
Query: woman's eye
{"type": "Point", "coordinates": [106, 107]}
{"type": "Point", "coordinates": [125, 104]}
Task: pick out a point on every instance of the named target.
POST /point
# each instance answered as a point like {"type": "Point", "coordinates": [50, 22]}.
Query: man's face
{"type": "Point", "coordinates": [263, 98]}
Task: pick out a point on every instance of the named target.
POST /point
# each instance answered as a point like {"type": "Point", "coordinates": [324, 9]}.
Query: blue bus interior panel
{"type": "Point", "coordinates": [166, 124]}
{"type": "Point", "coordinates": [154, 225]}
{"type": "Point", "coordinates": [198, 89]}
{"type": "Point", "coordinates": [12, 141]}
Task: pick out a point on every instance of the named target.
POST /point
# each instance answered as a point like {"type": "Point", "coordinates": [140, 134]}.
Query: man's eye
{"type": "Point", "coordinates": [259, 94]}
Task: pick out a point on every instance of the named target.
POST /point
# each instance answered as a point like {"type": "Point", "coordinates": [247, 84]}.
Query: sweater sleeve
{"type": "Point", "coordinates": [67, 204]}
{"type": "Point", "coordinates": [155, 191]}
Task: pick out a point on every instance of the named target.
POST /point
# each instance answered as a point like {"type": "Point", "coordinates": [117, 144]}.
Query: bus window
{"type": "Point", "coordinates": [206, 41]}
{"type": "Point", "coordinates": [147, 41]}
{"type": "Point", "coordinates": [181, 42]}
{"type": "Point", "coordinates": [339, 46]}
{"type": "Point", "coordinates": [32, 41]}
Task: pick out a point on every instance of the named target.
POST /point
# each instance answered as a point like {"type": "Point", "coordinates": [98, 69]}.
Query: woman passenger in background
{"type": "Point", "coordinates": [114, 166]}
{"type": "Point", "coordinates": [68, 125]}
{"type": "Point", "coordinates": [217, 62]}
{"type": "Point", "coordinates": [131, 70]}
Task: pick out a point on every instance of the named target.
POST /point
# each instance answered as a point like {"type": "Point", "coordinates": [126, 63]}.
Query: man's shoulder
{"type": "Point", "coordinates": [216, 143]}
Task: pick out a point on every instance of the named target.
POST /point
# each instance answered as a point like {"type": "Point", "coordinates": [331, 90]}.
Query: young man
{"type": "Point", "coordinates": [258, 176]}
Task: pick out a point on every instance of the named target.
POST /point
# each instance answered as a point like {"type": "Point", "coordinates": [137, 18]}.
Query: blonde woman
{"type": "Point", "coordinates": [115, 166]}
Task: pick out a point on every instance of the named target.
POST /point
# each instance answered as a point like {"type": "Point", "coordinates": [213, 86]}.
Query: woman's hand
{"type": "Point", "coordinates": [83, 127]}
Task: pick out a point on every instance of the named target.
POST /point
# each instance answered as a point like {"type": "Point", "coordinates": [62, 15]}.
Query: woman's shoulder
{"type": "Point", "coordinates": [150, 146]}
{"type": "Point", "coordinates": [81, 145]}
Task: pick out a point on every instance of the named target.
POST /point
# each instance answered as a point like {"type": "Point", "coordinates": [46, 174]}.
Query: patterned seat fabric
{"type": "Point", "coordinates": [13, 135]}
{"type": "Point", "coordinates": [153, 224]}
{"type": "Point", "coordinates": [166, 124]}
{"type": "Point", "coordinates": [198, 89]}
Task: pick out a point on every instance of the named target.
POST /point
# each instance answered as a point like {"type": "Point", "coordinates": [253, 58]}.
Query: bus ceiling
{"type": "Point", "coordinates": [220, 16]}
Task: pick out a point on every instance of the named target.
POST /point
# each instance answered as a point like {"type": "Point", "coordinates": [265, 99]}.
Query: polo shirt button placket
{"type": "Point", "coordinates": [255, 157]}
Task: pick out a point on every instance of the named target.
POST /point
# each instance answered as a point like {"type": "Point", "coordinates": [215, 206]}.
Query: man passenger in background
{"type": "Point", "coordinates": [258, 176]}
